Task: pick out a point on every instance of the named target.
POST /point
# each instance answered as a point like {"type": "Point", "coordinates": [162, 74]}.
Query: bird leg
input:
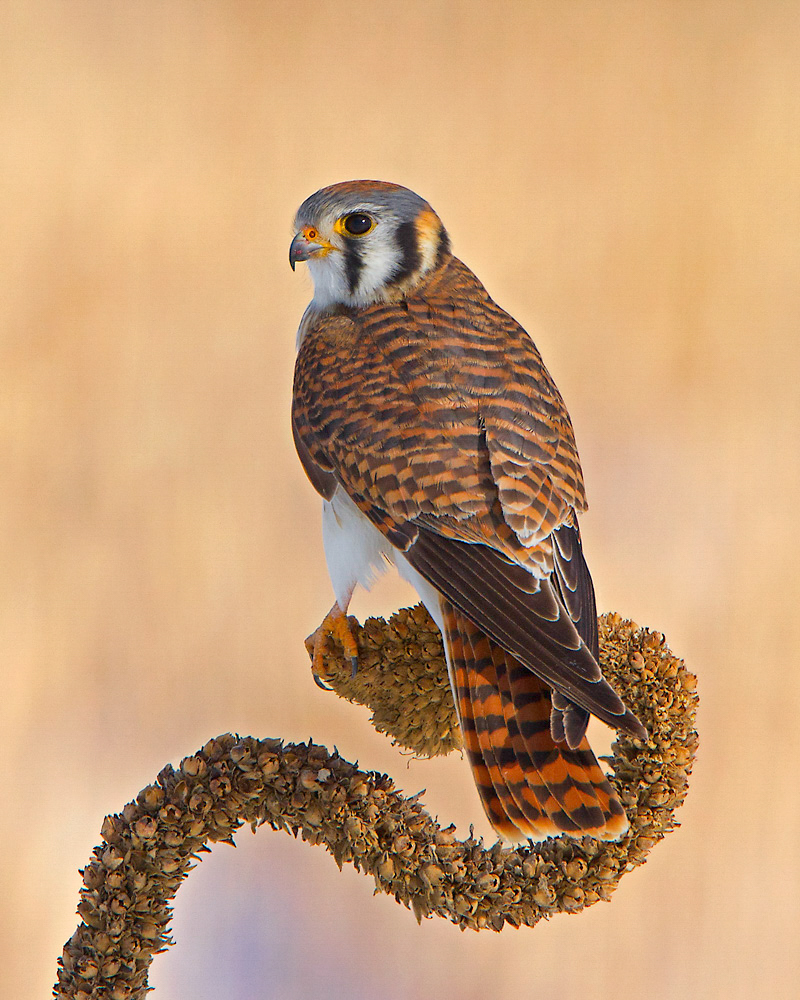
{"type": "Point", "coordinates": [336, 624]}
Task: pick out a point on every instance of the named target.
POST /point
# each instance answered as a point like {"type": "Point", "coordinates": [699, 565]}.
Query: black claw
{"type": "Point", "coordinates": [319, 683]}
{"type": "Point", "coordinates": [353, 667]}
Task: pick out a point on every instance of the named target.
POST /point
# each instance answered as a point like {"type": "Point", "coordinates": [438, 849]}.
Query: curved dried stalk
{"type": "Point", "coordinates": [150, 846]}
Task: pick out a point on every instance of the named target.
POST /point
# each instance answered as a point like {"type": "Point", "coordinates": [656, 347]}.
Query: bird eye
{"type": "Point", "coordinates": [358, 223]}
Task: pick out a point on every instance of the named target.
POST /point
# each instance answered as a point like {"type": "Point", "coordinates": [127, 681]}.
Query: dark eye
{"type": "Point", "coordinates": [358, 223]}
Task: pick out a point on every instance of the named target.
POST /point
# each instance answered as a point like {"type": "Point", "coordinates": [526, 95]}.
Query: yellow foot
{"type": "Point", "coordinates": [336, 624]}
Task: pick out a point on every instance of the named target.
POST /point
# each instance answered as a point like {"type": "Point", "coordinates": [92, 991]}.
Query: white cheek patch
{"type": "Point", "coordinates": [379, 257]}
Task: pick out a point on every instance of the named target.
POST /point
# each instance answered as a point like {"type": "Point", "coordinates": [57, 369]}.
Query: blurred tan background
{"type": "Point", "coordinates": [624, 179]}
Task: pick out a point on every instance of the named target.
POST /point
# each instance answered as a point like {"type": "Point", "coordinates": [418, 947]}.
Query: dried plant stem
{"type": "Point", "coordinates": [149, 847]}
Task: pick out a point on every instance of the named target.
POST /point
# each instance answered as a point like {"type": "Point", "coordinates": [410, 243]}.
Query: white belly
{"type": "Point", "coordinates": [357, 554]}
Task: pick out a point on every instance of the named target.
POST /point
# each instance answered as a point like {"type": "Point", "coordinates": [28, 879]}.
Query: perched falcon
{"type": "Point", "coordinates": [425, 418]}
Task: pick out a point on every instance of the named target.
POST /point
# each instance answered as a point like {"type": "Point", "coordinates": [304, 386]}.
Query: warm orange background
{"type": "Point", "coordinates": [625, 178]}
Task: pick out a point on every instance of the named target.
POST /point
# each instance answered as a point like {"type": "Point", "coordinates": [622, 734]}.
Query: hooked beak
{"type": "Point", "coordinates": [306, 244]}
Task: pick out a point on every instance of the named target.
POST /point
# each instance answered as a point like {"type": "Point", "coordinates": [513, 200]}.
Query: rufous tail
{"type": "Point", "coordinates": [531, 787]}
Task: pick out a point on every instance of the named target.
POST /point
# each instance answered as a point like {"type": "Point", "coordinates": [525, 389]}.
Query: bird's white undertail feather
{"type": "Point", "coordinates": [357, 554]}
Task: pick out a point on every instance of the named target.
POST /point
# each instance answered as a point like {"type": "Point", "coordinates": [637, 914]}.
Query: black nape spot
{"type": "Point", "coordinates": [410, 257]}
{"type": "Point", "coordinates": [353, 265]}
{"type": "Point", "coordinates": [443, 250]}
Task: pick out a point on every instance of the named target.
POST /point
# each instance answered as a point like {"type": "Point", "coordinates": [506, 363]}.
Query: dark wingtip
{"type": "Point", "coordinates": [631, 725]}
{"type": "Point", "coordinates": [576, 722]}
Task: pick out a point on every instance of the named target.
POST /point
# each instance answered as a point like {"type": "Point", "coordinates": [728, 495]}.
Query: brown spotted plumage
{"type": "Point", "coordinates": [425, 417]}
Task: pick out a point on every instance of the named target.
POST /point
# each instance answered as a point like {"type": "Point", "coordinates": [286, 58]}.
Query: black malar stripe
{"type": "Point", "coordinates": [353, 265]}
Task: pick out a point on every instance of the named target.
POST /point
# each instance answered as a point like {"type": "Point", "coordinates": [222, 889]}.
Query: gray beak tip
{"type": "Point", "coordinates": [302, 248]}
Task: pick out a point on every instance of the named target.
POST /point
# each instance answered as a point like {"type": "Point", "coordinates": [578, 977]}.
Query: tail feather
{"type": "Point", "coordinates": [489, 711]}
{"type": "Point", "coordinates": [544, 782]}
{"type": "Point", "coordinates": [573, 777]}
{"type": "Point", "coordinates": [530, 786]}
{"type": "Point", "coordinates": [484, 769]}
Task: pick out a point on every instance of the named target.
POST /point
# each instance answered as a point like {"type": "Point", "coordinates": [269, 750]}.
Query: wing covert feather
{"type": "Point", "coordinates": [440, 404]}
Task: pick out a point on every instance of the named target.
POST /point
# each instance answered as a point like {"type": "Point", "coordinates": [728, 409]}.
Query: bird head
{"type": "Point", "coordinates": [366, 242]}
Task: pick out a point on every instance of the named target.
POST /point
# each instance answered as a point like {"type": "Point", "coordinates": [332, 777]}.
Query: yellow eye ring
{"type": "Point", "coordinates": [355, 224]}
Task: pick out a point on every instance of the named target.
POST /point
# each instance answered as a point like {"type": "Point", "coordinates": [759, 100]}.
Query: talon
{"type": "Point", "coordinates": [335, 623]}
{"type": "Point", "coordinates": [353, 667]}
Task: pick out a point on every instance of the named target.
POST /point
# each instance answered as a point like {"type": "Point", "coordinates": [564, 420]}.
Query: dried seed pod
{"type": "Point", "coordinates": [145, 828]}
{"type": "Point", "coordinates": [193, 766]}
{"type": "Point", "coordinates": [153, 843]}
{"type": "Point", "coordinates": [575, 869]}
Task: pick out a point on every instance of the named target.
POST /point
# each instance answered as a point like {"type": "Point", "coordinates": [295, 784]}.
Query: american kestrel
{"type": "Point", "coordinates": [425, 418]}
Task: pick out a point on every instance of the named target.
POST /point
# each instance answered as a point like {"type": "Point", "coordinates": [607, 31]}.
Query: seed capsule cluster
{"type": "Point", "coordinates": [402, 677]}
{"type": "Point", "coordinates": [150, 847]}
